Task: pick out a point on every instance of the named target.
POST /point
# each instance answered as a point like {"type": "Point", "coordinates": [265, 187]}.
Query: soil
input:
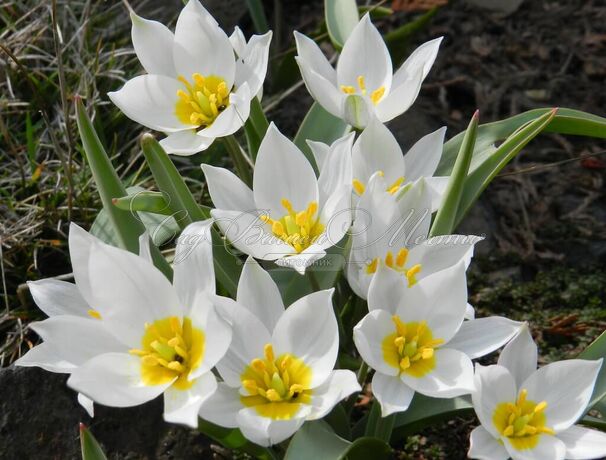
{"type": "Point", "coordinates": [545, 251]}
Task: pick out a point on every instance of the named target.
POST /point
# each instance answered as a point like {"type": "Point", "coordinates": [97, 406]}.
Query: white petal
{"type": "Point", "coordinates": [182, 406]}
{"type": "Point", "coordinates": [420, 60]}
{"type": "Point", "coordinates": [566, 386]}
{"type": "Point", "coordinates": [549, 447]}
{"type": "Point", "coordinates": [410, 224]}
{"type": "Point", "coordinates": [238, 41]}
{"type": "Point", "coordinates": [339, 385]}
{"type": "Point", "coordinates": [144, 248]}
{"type": "Point", "coordinates": [46, 357]}
{"type": "Point", "coordinates": [194, 271]}
{"type": "Point", "coordinates": [321, 89]}
{"type": "Point", "coordinates": [266, 431]}
{"type": "Point", "coordinates": [249, 337]}
{"type": "Point", "coordinates": [365, 54]}
{"type": "Point", "coordinates": [376, 149]}
{"type": "Point", "coordinates": [336, 216]}
{"type": "Point", "coordinates": [320, 151]}
{"type": "Point", "coordinates": [201, 46]}
{"type": "Point", "coordinates": [483, 446]}
{"type": "Point", "coordinates": [300, 262]}
{"type": "Point", "coordinates": [185, 143]}
{"type": "Point", "coordinates": [251, 68]}
{"type": "Point", "coordinates": [282, 171]}
{"type": "Point", "coordinates": [583, 443]}
{"type": "Point", "coordinates": [494, 385]}
{"type": "Point", "coordinates": [399, 99]}
{"type": "Point", "coordinates": [520, 356]}
{"type": "Point", "coordinates": [452, 376]}
{"type": "Point", "coordinates": [470, 312]}
{"type": "Point", "coordinates": [336, 172]}
{"type": "Point", "coordinates": [233, 117]}
{"type": "Point", "coordinates": [258, 292]}
{"type": "Point", "coordinates": [437, 188]}
{"type": "Point", "coordinates": [75, 339]}
{"type": "Point", "coordinates": [481, 336]}
{"type": "Point", "coordinates": [195, 7]}
{"type": "Point", "coordinates": [87, 404]}
{"type": "Point", "coordinates": [153, 43]}
{"type": "Point", "coordinates": [114, 379]}
{"type": "Point", "coordinates": [56, 297]}
{"type": "Point", "coordinates": [387, 289]}
{"type": "Point", "coordinates": [222, 407]}
{"type": "Point", "coordinates": [393, 394]}
{"type": "Point", "coordinates": [368, 336]}
{"type": "Point", "coordinates": [423, 157]}
{"type": "Point", "coordinates": [151, 101]}
{"type": "Point", "coordinates": [227, 190]}
{"type": "Point", "coordinates": [249, 234]}
{"type": "Point", "coordinates": [308, 329]}
{"type": "Point", "coordinates": [312, 56]}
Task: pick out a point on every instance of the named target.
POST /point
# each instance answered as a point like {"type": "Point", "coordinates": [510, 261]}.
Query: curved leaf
{"type": "Point", "coordinates": [91, 450]}
{"type": "Point", "coordinates": [597, 350]}
{"type": "Point", "coordinates": [341, 18]}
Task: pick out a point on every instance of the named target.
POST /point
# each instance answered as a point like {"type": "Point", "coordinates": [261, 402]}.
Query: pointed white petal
{"type": "Point", "coordinates": [87, 404]}
{"type": "Point", "coordinates": [368, 336]}
{"type": "Point", "coordinates": [185, 143]}
{"type": "Point", "coordinates": [227, 190]}
{"type": "Point", "coordinates": [233, 117]}
{"type": "Point", "coordinates": [566, 386]}
{"type": "Point", "coordinates": [336, 216]}
{"type": "Point", "coordinates": [114, 379]}
{"type": "Point", "coordinates": [151, 101]}
{"type": "Point", "coordinates": [583, 443]}
{"type": "Point", "coordinates": [520, 356]}
{"type": "Point", "coordinates": [46, 357]}
{"type": "Point", "coordinates": [339, 385]}
{"type": "Point", "coordinates": [251, 68]}
{"type": "Point", "coordinates": [324, 91]}
{"type": "Point", "coordinates": [144, 248]}
{"type": "Point", "coordinates": [282, 171]}
{"type": "Point", "coordinates": [494, 385]}
{"type": "Point", "coordinates": [336, 172]}
{"type": "Point", "coordinates": [300, 262]}
{"type": "Point", "coordinates": [310, 54]}
{"type": "Point", "coordinates": [201, 46]}
{"type": "Point", "coordinates": [387, 289]}
{"type": "Point", "coordinates": [365, 54]}
{"type": "Point", "coordinates": [258, 292]}
{"type": "Point", "coordinates": [182, 406]}
{"type": "Point", "coordinates": [437, 188]}
{"type": "Point", "coordinates": [483, 446]}
{"type": "Point", "coordinates": [153, 43]}
{"type": "Point", "coordinates": [194, 271]}
{"type": "Point", "coordinates": [481, 336]}
{"type": "Point", "coordinates": [452, 376]}
{"type": "Point", "coordinates": [238, 41]}
{"type": "Point", "coordinates": [420, 60]}
{"type": "Point", "coordinates": [195, 7]}
{"type": "Point", "coordinates": [320, 151]}
{"type": "Point", "coordinates": [423, 157]}
{"type": "Point", "coordinates": [393, 394]}
{"type": "Point", "coordinates": [399, 99]}
{"type": "Point", "coordinates": [56, 297]}
{"type": "Point", "coordinates": [308, 329]}
{"type": "Point", "coordinates": [470, 312]}
{"type": "Point", "coordinates": [222, 407]}
{"type": "Point", "coordinates": [266, 431]}
{"type": "Point", "coordinates": [549, 447]}
{"type": "Point", "coordinates": [410, 224]}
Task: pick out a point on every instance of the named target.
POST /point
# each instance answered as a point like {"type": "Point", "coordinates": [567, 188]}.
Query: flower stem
{"type": "Point", "coordinates": [241, 163]}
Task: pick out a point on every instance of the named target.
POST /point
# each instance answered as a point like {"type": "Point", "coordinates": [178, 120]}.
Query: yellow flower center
{"type": "Point", "coordinates": [204, 99]}
{"type": "Point", "coordinates": [298, 229]}
{"type": "Point", "coordinates": [171, 348]}
{"type": "Point", "coordinates": [410, 349]}
{"type": "Point", "coordinates": [398, 264]}
{"type": "Point", "coordinates": [276, 387]}
{"type": "Point", "coordinates": [375, 96]}
{"type": "Point", "coordinates": [359, 186]}
{"type": "Point", "coordinates": [523, 422]}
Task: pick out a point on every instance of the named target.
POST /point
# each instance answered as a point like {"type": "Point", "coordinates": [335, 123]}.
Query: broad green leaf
{"type": "Point", "coordinates": [319, 125]}
{"type": "Point", "coordinates": [445, 218]}
{"type": "Point", "coordinates": [255, 127]}
{"type": "Point", "coordinates": [339, 421]}
{"type": "Point", "coordinates": [90, 448]}
{"type": "Point", "coordinates": [257, 14]}
{"type": "Point", "coordinates": [378, 426]}
{"type": "Point", "coordinates": [145, 200]}
{"type": "Point", "coordinates": [341, 18]}
{"type": "Point", "coordinates": [593, 422]}
{"type": "Point", "coordinates": [597, 350]}
{"type": "Point", "coordinates": [424, 411]}
{"type": "Point", "coordinates": [232, 438]}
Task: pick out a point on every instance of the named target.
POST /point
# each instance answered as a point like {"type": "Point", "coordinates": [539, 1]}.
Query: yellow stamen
{"type": "Point", "coordinates": [202, 101]}
{"type": "Point", "coordinates": [297, 229]}
{"type": "Point", "coordinates": [348, 89]}
{"type": "Point", "coordinates": [401, 257]}
{"type": "Point", "coordinates": [377, 95]}
{"type": "Point", "coordinates": [361, 84]}
{"type": "Point", "coordinates": [393, 188]}
{"type": "Point", "coordinates": [94, 314]}
{"type": "Point", "coordinates": [358, 186]}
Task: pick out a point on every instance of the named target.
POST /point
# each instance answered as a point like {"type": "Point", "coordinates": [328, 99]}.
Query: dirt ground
{"type": "Point", "coordinates": [544, 217]}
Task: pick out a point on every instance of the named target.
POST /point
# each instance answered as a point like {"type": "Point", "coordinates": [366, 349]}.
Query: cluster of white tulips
{"type": "Point", "coordinates": [125, 334]}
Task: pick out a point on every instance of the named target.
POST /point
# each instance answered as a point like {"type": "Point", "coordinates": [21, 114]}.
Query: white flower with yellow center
{"type": "Point", "coordinates": [145, 337]}
{"type": "Point", "coordinates": [291, 217]}
{"type": "Point", "coordinates": [278, 371]}
{"type": "Point", "coordinates": [393, 231]}
{"type": "Point", "coordinates": [363, 87]}
{"type": "Point", "coordinates": [529, 414]}
{"type": "Point", "coordinates": [195, 89]}
{"type": "Point", "coordinates": [417, 341]}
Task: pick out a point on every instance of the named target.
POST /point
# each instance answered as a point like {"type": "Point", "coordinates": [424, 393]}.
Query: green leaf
{"type": "Point", "coordinates": [154, 202]}
{"type": "Point", "coordinates": [597, 350]}
{"type": "Point", "coordinates": [91, 450]}
{"type": "Point", "coordinates": [424, 411]}
{"type": "Point", "coordinates": [317, 441]}
{"type": "Point", "coordinates": [255, 127]}
{"type": "Point", "coordinates": [319, 125]}
{"type": "Point", "coordinates": [593, 422]}
{"type": "Point", "coordinates": [232, 438]}
{"type": "Point", "coordinates": [447, 213]}
{"type": "Point", "coordinates": [257, 14]}
{"type": "Point", "coordinates": [377, 426]}
{"type": "Point", "coordinates": [341, 18]}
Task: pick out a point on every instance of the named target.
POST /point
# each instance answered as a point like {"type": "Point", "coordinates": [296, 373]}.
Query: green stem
{"type": "Point", "coordinates": [241, 164]}
{"type": "Point", "coordinates": [313, 281]}
{"type": "Point", "coordinates": [377, 426]}
{"type": "Point", "coordinates": [362, 373]}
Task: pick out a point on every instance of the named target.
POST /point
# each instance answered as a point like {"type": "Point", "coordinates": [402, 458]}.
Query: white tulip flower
{"type": "Point", "coordinates": [393, 231]}
{"type": "Point", "coordinates": [195, 89]}
{"type": "Point", "coordinates": [278, 371]}
{"type": "Point", "coordinates": [291, 217]}
{"type": "Point", "coordinates": [417, 341]}
{"type": "Point", "coordinates": [529, 414]}
{"type": "Point", "coordinates": [145, 336]}
{"type": "Point", "coordinates": [363, 87]}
